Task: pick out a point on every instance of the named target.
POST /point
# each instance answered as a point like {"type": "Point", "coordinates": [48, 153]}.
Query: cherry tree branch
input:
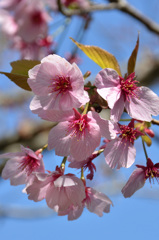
{"type": "Point", "coordinates": [155, 122]}
{"type": "Point", "coordinates": [120, 5]}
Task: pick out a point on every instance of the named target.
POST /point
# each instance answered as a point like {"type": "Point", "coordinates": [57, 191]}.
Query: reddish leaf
{"type": "Point", "coordinates": [132, 59]}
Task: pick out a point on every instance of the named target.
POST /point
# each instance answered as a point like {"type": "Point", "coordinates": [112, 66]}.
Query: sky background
{"type": "Point", "coordinates": [134, 218]}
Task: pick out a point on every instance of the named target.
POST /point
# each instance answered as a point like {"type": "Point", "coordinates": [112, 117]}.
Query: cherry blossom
{"type": "Point", "coordinates": [139, 176]}
{"type": "Point", "coordinates": [60, 191]}
{"type": "Point", "coordinates": [32, 20]}
{"type": "Point", "coordinates": [96, 202]}
{"type": "Point", "coordinates": [140, 102]}
{"type": "Point", "coordinates": [58, 85]}
{"type": "Point", "coordinates": [21, 166]}
{"type": "Point", "coordinates": [120, 152]}
{"type": "Point", "coordinates": [78, 136]}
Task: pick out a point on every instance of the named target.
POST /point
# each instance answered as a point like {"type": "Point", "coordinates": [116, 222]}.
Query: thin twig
{"type": "Point", "coordinates": [121, 6]}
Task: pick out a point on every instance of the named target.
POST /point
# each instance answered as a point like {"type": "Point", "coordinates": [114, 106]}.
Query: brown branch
{"type": "Point", "coordinates": [32, 136]}
{"type": "Point", "coordinates": [121, 5]}
{"type": "Point", "coordinates": [155, 122]}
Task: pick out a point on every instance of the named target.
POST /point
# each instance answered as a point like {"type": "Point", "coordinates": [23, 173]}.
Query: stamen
{"type": "Point", "coordinates": [128, 86]}
{"type": "Point", "coordinates": [77, 127]}
{"type": "Point", "coordinates": [61, 85]}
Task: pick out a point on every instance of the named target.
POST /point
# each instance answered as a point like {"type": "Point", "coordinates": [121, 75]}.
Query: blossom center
{"type": "Point", "coordinates": [61, 85]}
{"type": "Point", "coordinates": [128, 86]}
{"type": "Point", "coordinates": [77, 127]}
{"type": "Point", "coordinates": [151, 173]}
{"type": "Point", "coordinates": [29, 164]}
{"type": "Point", "coordinates": [128, 133]}
{"type": "Point", "coordinates": [37, 18]}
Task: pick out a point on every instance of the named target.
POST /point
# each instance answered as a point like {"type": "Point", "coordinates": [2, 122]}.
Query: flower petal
{"type": "Point", "coordinates": [135, 182]}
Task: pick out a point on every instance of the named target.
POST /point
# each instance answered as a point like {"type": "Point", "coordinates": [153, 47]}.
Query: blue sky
{"type": "Point", "coordinates": [132, 218]}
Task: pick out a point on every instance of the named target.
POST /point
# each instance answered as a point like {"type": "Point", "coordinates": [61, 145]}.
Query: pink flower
{"type": "Point", "coordinates": [58, 85]}
{"type": "Point", "coordinates": [120, 93]}
{"type": "Point", "coordinates": [21, 166]}
{"type": "Point", "coordinates": [95, 202]}
{"type": "Point", "coordinates": [32, 20]}
{"type": "Point", "coordinates": [78, 136]}
{"type": "Point", "coordinates": [120, 152]}
{"type": "Point", "coordinates": [139, 176]}
{"type": "Point", "coordinates": [60, 191]}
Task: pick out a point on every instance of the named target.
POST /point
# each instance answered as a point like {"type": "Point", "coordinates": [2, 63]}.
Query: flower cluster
{"type": "Point", "coordinates": [25, 24]}
{"type": "Point", "coordinates": [62, 97]}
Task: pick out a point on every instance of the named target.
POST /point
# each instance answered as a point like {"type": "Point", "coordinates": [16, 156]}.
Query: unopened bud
{"type": "Point", "coordinates": [87, 74]}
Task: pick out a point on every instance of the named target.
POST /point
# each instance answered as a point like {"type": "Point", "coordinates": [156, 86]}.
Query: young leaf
{"type": "Point", "coordinates": [132, 59]}
{"type": "Point", "coordinates": [19, 73]}
{"type": "Point", "coordinates": [100, 56]}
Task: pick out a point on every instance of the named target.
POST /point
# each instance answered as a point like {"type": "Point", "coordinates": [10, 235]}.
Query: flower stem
{"type": "Point", "coordinates": [43, 148]}
{"type": "Point", "coordinates": [82, 174]}
{"type": "Point", "coordinates": [143, 144]}
{"type": "Point", "coordinates": [63, 162]}
{"type": "Point", "coordinates": [86, 108]}
{"type": "Point", "coordinates": [125, 120]}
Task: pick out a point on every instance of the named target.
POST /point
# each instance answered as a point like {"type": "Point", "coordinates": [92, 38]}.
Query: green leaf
{"type": "Point", "coordinates": [19, 73]}
{"type": "Point", "coordinates": [100, 56]}
{"type": "Point", "coordinates": [132, 59]}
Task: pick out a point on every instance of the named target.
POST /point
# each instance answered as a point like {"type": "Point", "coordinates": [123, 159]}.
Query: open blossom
{"type": "Point", "coordinates": [120, 152]}
{"type": "Point", "coordinates": [60, 191]}
{"type": "Point", "coordinates": [21, 166]}
{"type": "Point", "coordinates": [78, 136]}
{"type": "Point", "coordinates": [139, 176]}
{"type": "Point", "coordinates": [96, 202]}
{"type": "Point", "coordinates": [32, 20]}
{"type": "Point", "coordinates": [120, 93]}
{"type": "Point", "coordinates": [58, 85]}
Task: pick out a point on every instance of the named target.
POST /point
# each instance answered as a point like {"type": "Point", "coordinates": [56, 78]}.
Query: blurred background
{"type": "Point", "coordinates": [115, 31]}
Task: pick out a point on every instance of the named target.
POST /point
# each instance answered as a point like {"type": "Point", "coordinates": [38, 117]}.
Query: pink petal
{"type": "Point", "coordinates": [117, 110]}
{"type": "Point", "coordinates": [108, 128]}
{"type": "Point", "coordinates": [108, 85]}
{"type": "Point", "coordinates": [83, 147]}
{"type": "Point", "coordinates": [119, 154]}
{"type": "Point", "coordinates": [37, 190]}
{"type": "Point", "coordinates": [55, 116]}
{"type": "Point", "coordinates": [98, 202]}
{"type": "Point", "coordinates": [135, 182]}
{"type": "Point", "coordinates": [144, 105]}
{"type": "Point", "coordinates": [107, 78]}
{"type": "Point", "coordinates": [75, 213]}
{"type": "Point", "coordinates": [57, 199]}
{"type": "Point", "coordinates": [59, 139]}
